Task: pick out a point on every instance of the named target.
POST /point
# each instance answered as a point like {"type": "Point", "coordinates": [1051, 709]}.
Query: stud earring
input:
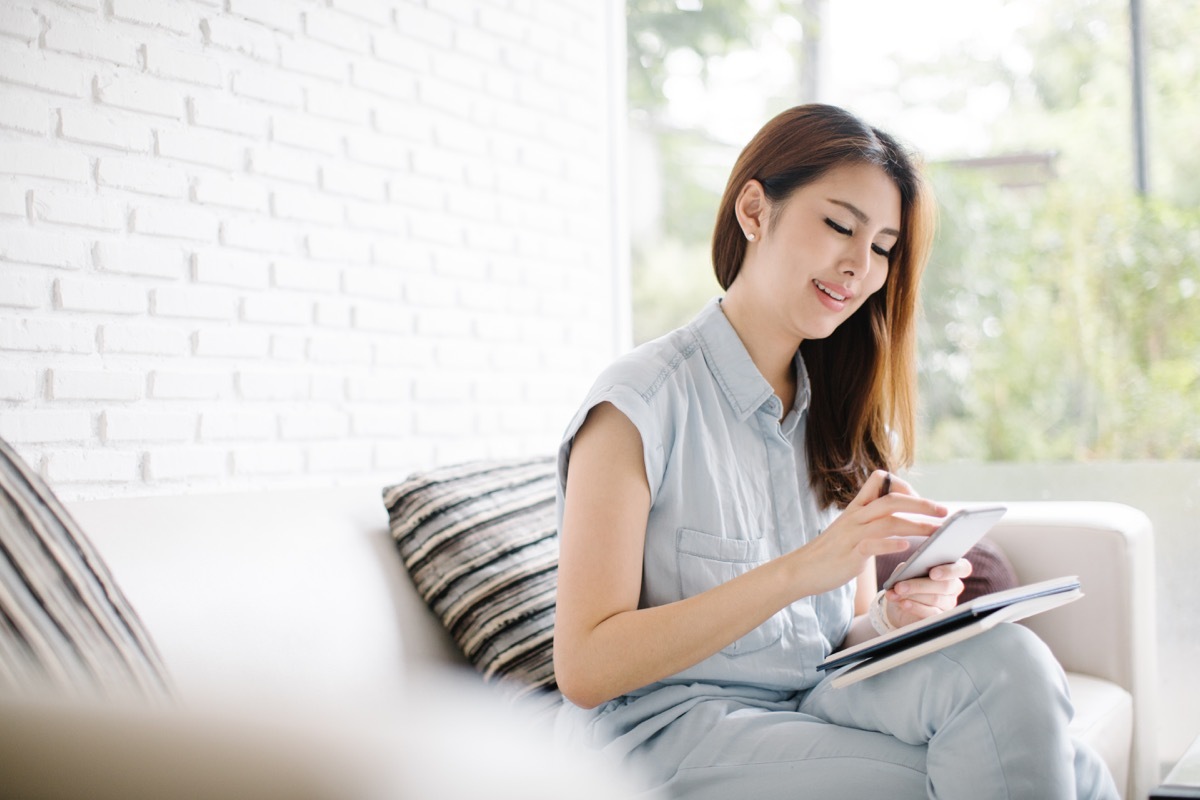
{"type": "Point", "coordinates": [749, 236]}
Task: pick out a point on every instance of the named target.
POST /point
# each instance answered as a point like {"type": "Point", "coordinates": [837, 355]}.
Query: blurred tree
{"type": "Point", "coordinates": [657, 29]}
{"type": "Point", "coordinates": [671, 267]}
{"type": "Point", "coordinates": [1060, 324]}
{"type": "Point", "coordinates": [1174, 74]}
{"type": "Point", "coordinates": [1062, 320]}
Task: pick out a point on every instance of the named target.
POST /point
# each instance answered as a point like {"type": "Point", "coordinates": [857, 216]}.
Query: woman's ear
{"type": "Point", "coordinates": [751, 209]}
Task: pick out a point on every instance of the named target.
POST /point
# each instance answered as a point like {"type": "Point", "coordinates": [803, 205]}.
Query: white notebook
{"type": "Point", "coordinates": [962, 622]}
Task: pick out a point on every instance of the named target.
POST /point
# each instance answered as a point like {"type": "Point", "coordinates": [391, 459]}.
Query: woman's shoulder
{"type": "Point", "coordinates": [653, 364]}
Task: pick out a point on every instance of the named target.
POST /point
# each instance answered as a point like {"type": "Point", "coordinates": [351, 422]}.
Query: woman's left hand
{"type": "Point", "coordinates": [918, 598]}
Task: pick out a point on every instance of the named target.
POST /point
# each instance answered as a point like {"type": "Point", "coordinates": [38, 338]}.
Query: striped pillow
{"type": "Point", "coordinates": [480, 542]}
{"type": "Point", "coordinates": [65, 627]}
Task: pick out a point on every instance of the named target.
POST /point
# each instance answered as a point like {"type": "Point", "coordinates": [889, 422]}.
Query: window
{"type": "Point", "coordinates": [1060, 349]}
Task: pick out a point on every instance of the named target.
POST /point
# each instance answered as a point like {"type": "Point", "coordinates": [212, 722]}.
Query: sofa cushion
{"type": "Point", "coordinates": [480, 543]}
{"type": "Point", "coordinates": [65, 626]}
{"type": "Point", "coordinates": [1103, 720]}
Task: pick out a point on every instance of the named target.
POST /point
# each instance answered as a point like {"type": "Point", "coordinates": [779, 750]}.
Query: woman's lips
{"type": "Point", "coordinates": [833, 295]}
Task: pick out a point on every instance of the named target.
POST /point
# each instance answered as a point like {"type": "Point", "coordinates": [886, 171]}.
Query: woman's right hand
{"type": "Point", "coordinates": [872, 525]}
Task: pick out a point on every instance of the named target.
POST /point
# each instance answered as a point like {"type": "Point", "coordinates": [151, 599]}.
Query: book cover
{"type": "Point", "coordinates": [960, 623]}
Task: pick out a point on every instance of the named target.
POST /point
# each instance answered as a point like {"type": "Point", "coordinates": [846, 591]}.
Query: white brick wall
{"type": "Point", "coordinates": [263, 242]}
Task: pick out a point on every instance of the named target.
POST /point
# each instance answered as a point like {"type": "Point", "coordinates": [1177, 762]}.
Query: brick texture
{"type": "Point", "coordinates": [259, 243]}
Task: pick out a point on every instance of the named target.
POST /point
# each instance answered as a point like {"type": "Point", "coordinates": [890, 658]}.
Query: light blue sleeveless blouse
{"type": "Point", "coordinates": [729, 491]}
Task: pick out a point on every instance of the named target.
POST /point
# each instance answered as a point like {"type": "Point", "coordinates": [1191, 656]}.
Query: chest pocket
{"type": "Point", "coordinates": [707, 561]}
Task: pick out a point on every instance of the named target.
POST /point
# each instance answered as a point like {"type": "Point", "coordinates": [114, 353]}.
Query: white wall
{"type": "Point", "coordinates": [248, 242]}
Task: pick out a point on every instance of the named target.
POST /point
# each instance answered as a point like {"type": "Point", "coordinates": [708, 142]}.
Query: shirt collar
{"type": "Point", "coordinates": [730, 363]}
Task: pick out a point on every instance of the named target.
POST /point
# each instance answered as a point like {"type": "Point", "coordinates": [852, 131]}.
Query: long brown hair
{"type": "Point", "coordinates": [864, 393]}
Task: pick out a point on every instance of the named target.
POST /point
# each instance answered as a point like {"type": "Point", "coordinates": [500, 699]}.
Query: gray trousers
{"type": "Point", "coordinates": [985, 718]}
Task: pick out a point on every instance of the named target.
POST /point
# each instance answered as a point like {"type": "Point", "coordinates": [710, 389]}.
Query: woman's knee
{"type": "Point", "coordinates": [1012, 655]}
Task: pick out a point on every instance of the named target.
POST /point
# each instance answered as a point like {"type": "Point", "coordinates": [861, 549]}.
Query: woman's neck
{"type": "Point", "coordinates": [773, 354]}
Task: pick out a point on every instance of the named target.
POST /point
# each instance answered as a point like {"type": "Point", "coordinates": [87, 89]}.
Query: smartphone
{"type": "Point", "coordinates": [947, 544]}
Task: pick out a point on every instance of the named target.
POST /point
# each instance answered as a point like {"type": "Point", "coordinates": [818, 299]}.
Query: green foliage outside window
{"type": "Point", "coordinates": [1060, 324]}
{"type": "Point", "coordinates": [1061, 319]}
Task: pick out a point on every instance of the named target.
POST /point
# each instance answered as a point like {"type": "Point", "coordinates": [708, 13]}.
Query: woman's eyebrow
{"type": "Point", "coordinates": [861, 217]}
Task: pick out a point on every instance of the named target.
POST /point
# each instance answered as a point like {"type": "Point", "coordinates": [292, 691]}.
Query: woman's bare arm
{"type": "Point", "coordinates": [604, 645]}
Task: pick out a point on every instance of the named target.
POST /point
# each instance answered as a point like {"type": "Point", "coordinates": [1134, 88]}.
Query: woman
{"type": "Point", "coordinates": [724, 489]}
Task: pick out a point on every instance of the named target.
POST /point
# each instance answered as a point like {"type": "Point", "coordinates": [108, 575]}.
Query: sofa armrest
{"type": "Point", "coordinates": [1111, 632]}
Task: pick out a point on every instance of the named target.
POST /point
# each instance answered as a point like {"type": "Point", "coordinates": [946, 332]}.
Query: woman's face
{"type": "Point", "coordinates": [818, 256]}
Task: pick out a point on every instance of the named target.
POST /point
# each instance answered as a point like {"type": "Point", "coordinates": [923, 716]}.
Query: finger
{"type": "Point", "coordinates": [927, 593]}
{"type": "Point", "coordinates": [959, 569]}
{"type": "Point", "coordinates": [915, 521]}
{"type": "Point", "coordinates": [897, 503]}
{"type": "Point", "coordinates": [882, 546]}
{"type": "Point", "coordinates": [887, 493]}
{"type": "Point", "coordinates": [940, 602]}
{"type": "Point", "coordinates": [926, 587]}
{"type": "Point", "coordinates": [905, 612]}
{"type": "Point", "coordinates": [879, 484]}
{"type": "Point", "coordinates": [901, 486]}
{"type": "Point", "coordinates": [910, 612]}
{"type": "Point", "coordinates": [909, 517]}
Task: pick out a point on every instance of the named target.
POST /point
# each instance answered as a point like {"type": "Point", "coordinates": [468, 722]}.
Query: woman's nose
{"type": "Point", "coordinates": [856, 263]}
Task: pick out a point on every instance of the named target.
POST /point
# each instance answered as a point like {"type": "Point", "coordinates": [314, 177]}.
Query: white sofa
{"type": "Point", "coordinates": [298, 597]}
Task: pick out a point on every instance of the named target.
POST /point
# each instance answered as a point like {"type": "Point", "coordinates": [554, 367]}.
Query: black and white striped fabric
{"type": "Point", "coordinates": [65, 627]}
{"type": "Point", "coordinates": [481, 544]}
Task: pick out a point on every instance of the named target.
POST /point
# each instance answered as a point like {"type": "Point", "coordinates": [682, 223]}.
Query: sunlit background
{"type": "Point", "coordinates": [1060, 348]}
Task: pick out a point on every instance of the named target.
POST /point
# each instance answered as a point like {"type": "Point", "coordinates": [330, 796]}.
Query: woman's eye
{"type": "Point", "coordinates": [880, 251]}
{"type": "Point", "coordinates": [838, 228]}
